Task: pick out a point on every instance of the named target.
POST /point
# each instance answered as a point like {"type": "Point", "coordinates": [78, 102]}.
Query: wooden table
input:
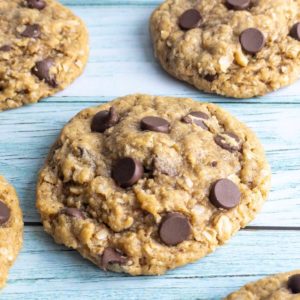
{"type": "Point", "coordinates": [122, 62]}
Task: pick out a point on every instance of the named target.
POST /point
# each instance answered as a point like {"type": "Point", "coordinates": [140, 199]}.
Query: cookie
{"type": "Point", "coordinates": [234, 48]}
{"type": "Point", "coordinates": [43, 48]}
{"type": "Point", "coordinates": [145, 184]}
{"type": "Point", "coordinates": [11, 228]}
{"type": "Point", "coordinates": [281, 286]}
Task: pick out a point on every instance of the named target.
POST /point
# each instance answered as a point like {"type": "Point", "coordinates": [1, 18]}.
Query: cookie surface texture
{"type": "Point", "coordinates": [43, 48]}
{"type": "Point", "coordinates": [234, 48]}
{"type": "Point", "coordinates": [157, 183]}
{"type": "Point", "coordinates": [285, 286]}
{"type": "Point", "coordinates": [11, 228]}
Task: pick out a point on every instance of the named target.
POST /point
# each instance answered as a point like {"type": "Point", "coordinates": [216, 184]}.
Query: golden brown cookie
{"type": "Point", "coordinates": [11, 228]}
{"type": "Point", "coordinates": [235, 48]}
{"type": "Point", "coordinates": [145, 184]}
{"type": "Point", "coordinates": [285, 286]}
{"type": "Point", "coordinates": [43, 48]}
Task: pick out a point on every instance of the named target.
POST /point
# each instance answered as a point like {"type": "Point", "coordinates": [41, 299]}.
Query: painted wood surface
{"type": "Point", "coordinates": [35, 128]}
{"type": "Point", "coordinates": [121, 62]}
{"type": "Point", "coordinates": [45, 270]}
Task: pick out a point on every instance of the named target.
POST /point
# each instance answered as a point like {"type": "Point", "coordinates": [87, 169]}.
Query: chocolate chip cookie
{"type": "Point", "coordinates": [11, 228]}
{"type": "Point", "coordinates": [43, 48]}
{"type": "Point", "coordinates": [235, 48]}
{"type": "Point", "coordinates": [145, 184]}
{"type": "Point", "coordinates": [281, 287]}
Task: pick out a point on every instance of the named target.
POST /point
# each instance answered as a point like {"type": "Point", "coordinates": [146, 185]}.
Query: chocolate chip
{"type": "Point", "coordinates": [294, 283]}
{"type": "Point", "coordinates": [5, 48]}
{"type": "Point", "coordinates": [254, 3]}
{"type": "Point", "coordinates": [199, 114]}
{"type": "Point", "coordinates": [143, 261]}
{"type": "Point", "coordinates": [238, 4]}
{"type": "Point", "coordinates": [42, 71]}
{"type": "Point", "coordinates": [127, 171]}
{"type": "Point", "coordinates": [221, 141]}
{"type": "Point", "coordinates": [252, 40]}
{"type": "Point", "coordinates": [73, 212]}
{"type": "Point", "coordinates": [112, 256]}
{"type": "Point", "coordinates": [197, 118]}
{"type": "Point", "coordinates": [104, 120]}
{"type": "Point", "coordinates": [214, 163]}
{"type": "Point", "coordinates": [37, 4]}
{"type": "Point", "coordinates": [190, 19]}
{"type": "Point", "coordinates": [295, 31]}
{"type": "Point", "coordinates": [210, 77]}
{"type": "Point", "coordinates": [174, 229]}
{"type": "Point", "coordinates": [234, 136]}
{"type": "Point", "coordinates": [225, 194]}
{"type": "Point", "coordinates": [155, 124]}
{"type": "Point", "coordinates": [4, 213]}
{"type": "Point", "coordinates": [32, 31]}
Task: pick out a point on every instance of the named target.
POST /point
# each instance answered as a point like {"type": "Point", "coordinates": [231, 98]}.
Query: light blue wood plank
{"type": "Point", "coordinates": [116, 3]}
{"type": "Point", "coordinates": [47, 271]}
{"type": "Point", "coordinates": [122, 61]}
{"type": "Point", "coordinates": [28, 133]}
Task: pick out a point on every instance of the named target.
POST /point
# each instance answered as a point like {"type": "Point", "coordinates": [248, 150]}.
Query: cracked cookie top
{"type": "Point", "coordinates": [235, 48]}
{"type": "Point", "coordinates": [11, 228]}
{"type": "Point", "coordinates": [43, 48]}
{"type": "Point", "coordinates": [285, 286]}
{"type": "Point", "coordinates": [144, 184]}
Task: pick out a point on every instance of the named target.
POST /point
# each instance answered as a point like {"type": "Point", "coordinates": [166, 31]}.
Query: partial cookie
{"type": "Point", "coordinates": [145, 184]}
{"type": "Point", "coordinates": [235, 48]}
{"type": "Point", "coordinates": [11, 228]}
{"type": "Point", "coordinates": [43, 48]}
{"type": "Point", "coordinates": [283, 286]}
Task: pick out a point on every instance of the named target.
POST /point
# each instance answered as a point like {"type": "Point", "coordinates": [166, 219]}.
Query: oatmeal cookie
{"type": "Point", "coordinates": [145, 184]}
{"type": "Point", "coordinates": [235, 48]}
{"type": "Point", "coordinates": [284, 286]}
{"type": "Point", "coordinates": [43, 48]}
{"type": "Point", "coordinates": [11, 228]}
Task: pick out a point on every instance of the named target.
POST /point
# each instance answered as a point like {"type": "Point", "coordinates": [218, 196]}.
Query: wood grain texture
{"type": "Point", "coordinates": [122, 62]}
{"type": "Point", "coordinates": [34, 129]}
{"type": "Point", "coordinates": [48, 271]}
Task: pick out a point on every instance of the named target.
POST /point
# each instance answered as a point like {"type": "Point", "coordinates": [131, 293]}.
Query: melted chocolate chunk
{"type": "Point", "coordinates": [190, 19]}
{"type": "Point", "coordinates": [42, 71]}
{"type": "Point", "coordinates": [32, 31]}
{"type": "Point", "coordinates": [4, 213]}
{"type": "Point", "coordinates": [155, 124]}
{"type": "Point", "coordinates": [252, 40]}
{"type": "Point", "coordinates": [104, 120]}
{"type": "Point", "coordinates": [127, 171]}
{"type": "Point", "coordinates": [225, 194]}
{"type": "Point", "coordinates": [37, 4]}
{"type": "Point", "coordinates": [174, 229]}
{"type": "Point", "coordinates": [112, 256]}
